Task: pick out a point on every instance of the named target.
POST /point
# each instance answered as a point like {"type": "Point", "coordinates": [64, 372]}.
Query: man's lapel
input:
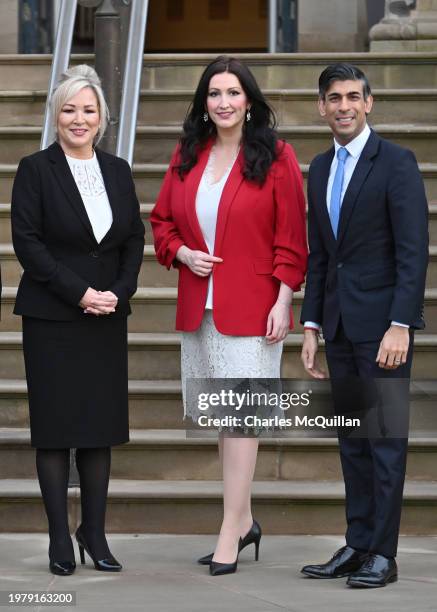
{"type": "Point", "coordinates": [361, 171]}
{"type": "Point", "coordinates": [319, 182]}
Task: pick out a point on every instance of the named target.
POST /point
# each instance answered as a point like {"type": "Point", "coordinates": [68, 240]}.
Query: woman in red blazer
{"type": "Point", "coordinates": [231, 217]}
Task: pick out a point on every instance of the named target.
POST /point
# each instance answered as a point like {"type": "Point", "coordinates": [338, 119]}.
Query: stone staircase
{"type": "Point", "coordinates": [163, 481]}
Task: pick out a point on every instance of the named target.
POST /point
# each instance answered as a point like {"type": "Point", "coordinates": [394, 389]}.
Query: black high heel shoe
{"type": "Point", "coordinates": [61, 568]}
{"type": "Point", "coordinates": [218, 569]}
{"type": "Point", "coordinates": [252, 536]}
{"type": "Point", "coordinates": [110, 564]}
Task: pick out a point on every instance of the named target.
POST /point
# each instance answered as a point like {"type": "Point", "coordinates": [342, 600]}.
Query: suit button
{"type": "Point", "coordinates": [340, 265]}
{"type": "Point", "coordinates": [94, 254]}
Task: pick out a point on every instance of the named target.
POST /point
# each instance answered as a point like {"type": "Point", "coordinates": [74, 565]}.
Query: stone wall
{"type": "Point", "coordinates": [8, 26]}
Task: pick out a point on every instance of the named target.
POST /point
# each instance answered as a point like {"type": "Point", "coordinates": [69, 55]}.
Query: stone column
{"type": "Point", "coordinates": [403, 29]}
{"type": "Point", "coordinates": [333, 30]}
{"type": "Point", "coordinates": [9, 27]}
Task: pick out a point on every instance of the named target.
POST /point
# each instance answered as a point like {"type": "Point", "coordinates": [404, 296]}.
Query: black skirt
{"type": "Point", "coordinates": [77, 381]}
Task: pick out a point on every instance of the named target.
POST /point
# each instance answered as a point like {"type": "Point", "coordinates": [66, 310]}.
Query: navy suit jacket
{"type": "Point", "coordinates": [375, 271]}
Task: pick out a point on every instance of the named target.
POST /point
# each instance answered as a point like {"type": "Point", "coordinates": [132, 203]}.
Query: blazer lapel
{"type": "Point", "coordinates": [320, 182]}
{"type": "Point", "coordinates": [228, 194]}
{"type": "Point", "coordinates": [191, 187]}
{"type": "Point", "coordinates": [361, 171]}
{"type": "Point", "coordinates": [108, 169]}
{"type": "Point", "coordinates": [65, 179]}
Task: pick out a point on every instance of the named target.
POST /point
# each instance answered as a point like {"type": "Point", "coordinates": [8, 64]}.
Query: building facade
{"type": "Point", "coordinates": [221, 25]}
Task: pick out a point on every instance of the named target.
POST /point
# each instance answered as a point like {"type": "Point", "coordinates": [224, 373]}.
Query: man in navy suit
{"type": "Point", "coordinates": [368, 237]}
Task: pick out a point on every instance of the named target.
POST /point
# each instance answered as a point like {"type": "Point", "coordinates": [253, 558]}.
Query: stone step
{"type": "Point", "coordinates": [150, 506]}
{"type": "Point", "coordinates": [154, 404]}
{"type": "Point", "coordinates": [292, 106]}
{"type": "Point", "coordinates": [152, 273]}
{"type": "Point", "coordinates": [272, 71]}
{"type": "Point", "coordinates": [163, 454]}
{"type": "Point", "coordinates": [296, 70]}
{"type": "Point", "coordinates": [6, 234]}
{"type": "Point", "coordinates": [6, 237]}
{"type": "Point", "coordinates": [157, 404]}
{"type": "Point", "coordinates": [148, 180]}
{"type": "Point", "coordinates": [155, 144]}
{"type": "Point", "coordinates": [157, 356]}
{"type": "Point", "coordinates": [154, 310]}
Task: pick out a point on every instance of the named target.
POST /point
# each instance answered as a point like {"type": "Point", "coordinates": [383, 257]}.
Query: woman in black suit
{"type": "Point", "coordinates": [78, 235]}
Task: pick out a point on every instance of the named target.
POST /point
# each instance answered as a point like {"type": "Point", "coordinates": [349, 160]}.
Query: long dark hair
{"type": "Point", "coordinates": [259, 135]}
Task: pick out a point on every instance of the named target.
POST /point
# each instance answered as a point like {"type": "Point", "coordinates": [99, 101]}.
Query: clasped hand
{"type": "Point", "coordinates": [98, 302]}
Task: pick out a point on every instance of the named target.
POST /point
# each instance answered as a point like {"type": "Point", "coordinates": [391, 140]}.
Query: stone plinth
{"type": "Point", "coordinates": [403, 29]}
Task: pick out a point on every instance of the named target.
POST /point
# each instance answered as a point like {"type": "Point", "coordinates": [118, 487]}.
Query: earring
{"type": "Point", "coordinates": [205, 117]}
{"type": "Point", "coordinates": [248, 115]}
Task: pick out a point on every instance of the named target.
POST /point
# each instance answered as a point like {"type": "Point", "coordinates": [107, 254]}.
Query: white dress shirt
{"type": "Point", "coordinates": [354, 148]}
{"type": "Point", "coordinates": [89, 181]}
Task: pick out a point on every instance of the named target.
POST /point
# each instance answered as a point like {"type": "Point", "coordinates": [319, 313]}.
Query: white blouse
{"type": "Point", "coordinates": [89, 181]}
{"type": "Point", "coordinates": [207, 204]}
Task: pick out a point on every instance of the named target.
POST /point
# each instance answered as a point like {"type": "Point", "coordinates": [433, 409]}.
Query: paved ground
{"type": "Point", "coordinates": [160, 575]}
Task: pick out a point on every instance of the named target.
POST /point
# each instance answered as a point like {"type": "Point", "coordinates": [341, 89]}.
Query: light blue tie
{"type": "Point", "coordinates": [337, 186]}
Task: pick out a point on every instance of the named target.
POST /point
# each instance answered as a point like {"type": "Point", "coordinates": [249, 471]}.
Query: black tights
{"type": "Point", "coordinates": [53, 467]}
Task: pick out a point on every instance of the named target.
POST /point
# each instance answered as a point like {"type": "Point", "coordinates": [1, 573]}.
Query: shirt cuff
{"type": "Point", "coordinates": [399, 324]}
{"type": "Point", "coordinates": [312, 325]}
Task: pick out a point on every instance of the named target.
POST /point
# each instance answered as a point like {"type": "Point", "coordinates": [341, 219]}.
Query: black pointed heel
{"type": "Point", "coordinates": [219, 569]}
{"type": "Point", "coordinates": [253, 536]}
{"type": "Point", "coordinates": [206, 560]}
{"type": "Point", "coordinates": [81, 553]}
{"type": "Point", "coordinates": [110, 564]}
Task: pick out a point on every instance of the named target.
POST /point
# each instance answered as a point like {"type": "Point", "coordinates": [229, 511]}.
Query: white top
{"type": "Point", "coordinates": [89, 181]}
{"type": "Point", "coordinates": [207, 204]}
{"type": "Point", "coordinates": [354, 148]}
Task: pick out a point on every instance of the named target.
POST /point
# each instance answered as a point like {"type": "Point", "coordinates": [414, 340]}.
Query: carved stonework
{"type": "Point", "coordinates": [408, 25]}
{"type": "Point", "coordinates": [398, 8]}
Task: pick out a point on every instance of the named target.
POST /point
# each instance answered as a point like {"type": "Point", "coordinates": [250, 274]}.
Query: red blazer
{"type": "Point", "coordinates": [260, 236]}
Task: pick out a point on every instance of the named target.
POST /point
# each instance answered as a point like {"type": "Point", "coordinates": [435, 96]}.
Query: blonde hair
{"type": "Point", "coordinates": [71, 82]}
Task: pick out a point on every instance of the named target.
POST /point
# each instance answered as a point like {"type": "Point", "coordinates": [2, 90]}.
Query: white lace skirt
{"type": "Point", "coordinates": [206, 353]}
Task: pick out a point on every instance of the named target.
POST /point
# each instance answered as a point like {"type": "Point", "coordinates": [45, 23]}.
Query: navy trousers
{"type": "Point", "coordinates": [373, 469]}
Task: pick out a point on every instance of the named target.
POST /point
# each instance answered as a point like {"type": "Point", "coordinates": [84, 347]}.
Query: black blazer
{"type": "Point", "coordinates": [55, 244]}
{"type": "Point", "coordinates": [375, 271]}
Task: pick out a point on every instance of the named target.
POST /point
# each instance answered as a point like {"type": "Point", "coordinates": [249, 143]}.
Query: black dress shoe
{"type": "Point", "coordinates": [253, 536]}
{"type": "Point", "coordinates": [345, 561]}
{"type": "Point", "coordinates": [62, 568]}
{"type": "Point", "coordinates": [376, 571]}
